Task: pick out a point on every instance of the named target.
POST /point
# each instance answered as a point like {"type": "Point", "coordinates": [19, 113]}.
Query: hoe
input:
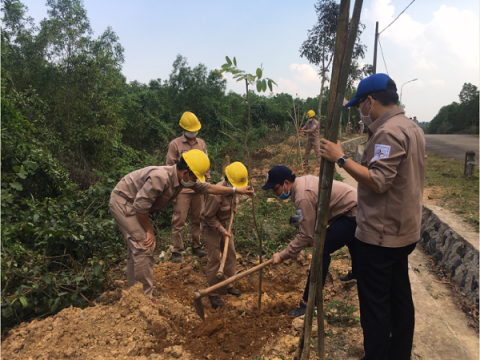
{"type": "Point", "coordinates": [221, 288]}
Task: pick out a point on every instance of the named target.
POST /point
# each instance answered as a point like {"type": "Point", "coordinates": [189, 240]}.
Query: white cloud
{"type": "Point", "coordinates": [438, 82]}
{"type": "Point", "coordinates": [439, 47]}
{"type": "Point", "coordinates": [304, 72]}
{"type": "Point", "coordinates": [451, 34]}
{"type": "Point", "coordinates": [422, 63]}
{"type": "Point", "coordinates": [302, 80]}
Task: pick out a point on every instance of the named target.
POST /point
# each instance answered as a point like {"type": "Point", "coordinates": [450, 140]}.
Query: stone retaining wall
{"type": "Point", "coordinates": [453, 252]}
{"type": "Point", "coordinates": [350, 146]}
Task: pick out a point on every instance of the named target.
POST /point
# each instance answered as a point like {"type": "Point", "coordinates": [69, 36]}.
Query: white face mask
{"type": "Point", "coordinates": [367, 120]}
{"type": "Point", "coordinates": [191, 135]}
{"type": "Point", "coordinates": [188, 184]}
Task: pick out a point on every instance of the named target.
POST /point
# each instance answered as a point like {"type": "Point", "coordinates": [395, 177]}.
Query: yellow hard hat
{"type": "Point", "coordinates": [198, 162]}
{"type": "Point", "coordinates": [310, 114]}
{"type": "Point", "coordinates": [237, 174]}
{"type": "Point", "coordinates": [189, 122]}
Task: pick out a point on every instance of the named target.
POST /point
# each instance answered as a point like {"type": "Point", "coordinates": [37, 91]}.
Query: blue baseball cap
{"type": "Point", "coordinates": [370, 85]}
{"type": "Point", "coordinates": [277, 175]}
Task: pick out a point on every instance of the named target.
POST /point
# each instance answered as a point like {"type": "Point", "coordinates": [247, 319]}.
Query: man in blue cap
{"type": "Point", "coordinates": [341, 219]}
{"type": "Point", "coordinates": [390, 195]}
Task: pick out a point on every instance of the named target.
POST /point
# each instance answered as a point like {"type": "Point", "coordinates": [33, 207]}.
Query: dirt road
{"type": "Point", "coordinates": [453, 146]}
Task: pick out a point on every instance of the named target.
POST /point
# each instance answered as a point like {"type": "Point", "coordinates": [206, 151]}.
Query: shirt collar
{"type": "Point", "coordinates": [185, 140]}
{"type": "Point", "coordinates": [383, 119]}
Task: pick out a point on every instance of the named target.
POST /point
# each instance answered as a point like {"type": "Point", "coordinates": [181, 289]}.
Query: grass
{"type": "Point", "coordinates": [459, 193]}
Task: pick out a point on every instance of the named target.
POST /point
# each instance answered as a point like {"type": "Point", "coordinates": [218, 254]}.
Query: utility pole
{"type": "Point", "coordinates": [375, 50]}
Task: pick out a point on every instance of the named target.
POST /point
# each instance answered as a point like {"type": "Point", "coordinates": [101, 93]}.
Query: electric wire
{"type": "Point", "coordinates": [381, 50]}
{"type": "Point", "coordinates": [396, 17]}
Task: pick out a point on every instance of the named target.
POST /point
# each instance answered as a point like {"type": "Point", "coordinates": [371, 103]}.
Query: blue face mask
{"type": "Point", "coordinates": [284, 196]}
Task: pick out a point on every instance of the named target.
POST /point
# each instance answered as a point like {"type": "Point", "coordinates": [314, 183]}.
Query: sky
{"type": "Point", "coordinates": [434, 41]}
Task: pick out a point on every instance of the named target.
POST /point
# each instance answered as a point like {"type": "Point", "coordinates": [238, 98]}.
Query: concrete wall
{"type": "Point", "coordinates": [456, 253]}
{"type": "Point", "coordinates": [350, 146]}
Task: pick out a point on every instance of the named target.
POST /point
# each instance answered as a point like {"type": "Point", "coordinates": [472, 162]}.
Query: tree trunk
{"type": "Point", "coordinates": [320, 103]}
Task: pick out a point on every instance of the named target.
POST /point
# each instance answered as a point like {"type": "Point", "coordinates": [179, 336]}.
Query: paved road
{"type": "Point", "coordinates": [453, 146]}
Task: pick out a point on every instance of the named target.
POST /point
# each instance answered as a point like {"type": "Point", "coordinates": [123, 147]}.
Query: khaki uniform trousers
{"type": "Point", "coordinates": [315, 143]}
{"type": "Point", "coordinates": [140, 259]}
{"type": "Point", "coordinates": [214, 243]}
{"type": "Point", "coordinates": [185, 201]}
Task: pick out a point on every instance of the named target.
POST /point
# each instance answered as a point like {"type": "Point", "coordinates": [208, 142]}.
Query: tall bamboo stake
{"type": "Point", "coordinates": [259, 233]}
{"type": "Point", "coordinates": [343, 55]}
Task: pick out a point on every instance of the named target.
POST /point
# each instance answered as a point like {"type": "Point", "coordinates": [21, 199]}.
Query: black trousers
{"type": "Point", "coordinates": [339, 234]}
{"type": "Point", "coordinates": [386, 306]}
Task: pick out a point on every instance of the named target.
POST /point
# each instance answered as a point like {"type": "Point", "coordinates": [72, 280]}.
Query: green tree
{"type": "Point", "coordinates": [66, 31]}
{"type": "Point", "coordinates": [320, 44]}
{"type": "Point", "coordinates": [468, 93]}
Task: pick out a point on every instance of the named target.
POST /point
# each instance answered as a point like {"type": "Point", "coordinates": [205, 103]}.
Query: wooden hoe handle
{"type": "Point", "coordinates": [201, 293]}
{"type": "Point", "coordinates": [225, 248]}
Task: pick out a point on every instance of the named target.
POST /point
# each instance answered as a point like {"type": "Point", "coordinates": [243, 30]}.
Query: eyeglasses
{"type": "Point", "coordinates": [359, 106]}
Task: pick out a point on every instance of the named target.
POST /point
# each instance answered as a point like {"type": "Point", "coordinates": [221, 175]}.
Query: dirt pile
{"type": "Point", "coordinates": [128, 328]}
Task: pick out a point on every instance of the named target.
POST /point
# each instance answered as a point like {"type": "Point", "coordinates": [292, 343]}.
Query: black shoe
{"type": "Point", "coordinates": [347, 278]}
{"type": "Point", "coordinates": [199, 252]}
{"type": "Point", "coordinates": [234, 292]}
{"type": "Point", "coordinates": [176, 257]}
{"type": "Point", "coordinates": [215, 301]}
{"type": "Point", "coordinates": [299, 311]}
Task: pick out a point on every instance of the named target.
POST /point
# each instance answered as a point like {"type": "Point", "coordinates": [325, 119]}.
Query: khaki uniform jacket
{"type": "Point", "coordinates": [217, 211]}
{"type": "Point", "coordinates": [151, 188]}
{"type": "Point", "coordinates": [304, 194]}
{"type": "Point", "coordinates": [395, 158]}
{"type": "Point", "coordinates": [312, 128]}
{"type": "Point", "coordinates": [181, 145]}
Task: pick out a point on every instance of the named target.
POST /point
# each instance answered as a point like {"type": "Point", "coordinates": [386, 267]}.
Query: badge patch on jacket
{"type": "Point", "coordinates": [299, 213]}
{"type": "Point", "coordinates": [381, 152]}
{"type": "Point", "coordinates": [314, 126]}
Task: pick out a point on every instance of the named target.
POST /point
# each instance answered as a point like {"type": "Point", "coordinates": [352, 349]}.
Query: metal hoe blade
{"type": "Point", "coordinates": [197, 302]}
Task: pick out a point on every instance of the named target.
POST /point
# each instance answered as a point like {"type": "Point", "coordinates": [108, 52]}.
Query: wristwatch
{"type": "Point", "coordinates": [342, 160]}
{"type": "Point", "coordinates": [234, 190]}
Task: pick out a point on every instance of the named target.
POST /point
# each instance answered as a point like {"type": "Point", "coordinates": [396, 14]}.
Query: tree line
{"type": "Point", "coordinates": [458, 118]}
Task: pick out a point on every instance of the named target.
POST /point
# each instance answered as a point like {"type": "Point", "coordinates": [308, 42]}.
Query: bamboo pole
{"type": "Point", "coordinates": [344, 47]}
{"type": "Point", "coordinates": [259, 233]}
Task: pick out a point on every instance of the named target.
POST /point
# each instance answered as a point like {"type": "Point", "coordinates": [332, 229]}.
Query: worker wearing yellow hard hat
{"type": "Point", "coordinates": [187, 199]}
{"type": "Point", "coordinates": [150, 189]}
{"type": "Point", "coordinates": [312, 129]}
{"type": "Point", "coordinates": [215, 220]}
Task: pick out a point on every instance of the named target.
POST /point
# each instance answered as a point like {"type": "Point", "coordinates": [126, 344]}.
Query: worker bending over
{"type": "Point", "coordinates": [312, 129]}
{"type": "Point", "coordinates": [341, 220]}
{"type": "Point", "coordinates": [217, 212]}
{"type": "Point", "coordinates": [144, 191]}
{"type": "Point", "coordinates": [188, 198]}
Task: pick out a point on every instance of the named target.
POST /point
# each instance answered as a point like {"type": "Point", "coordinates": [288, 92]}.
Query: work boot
{"type": "Point", "coordinates": [199, 252]}
{"type": "Point", "coordinates": [234, 292]}
{"type": "Point", "coordinates": [305, 164]}
{"type": "Point", "coordinates": [299, 311]}
{"type": "Point", "coordinates": [348, 278]}
{"type": "Point", "coordinates": [215, 301]}
{"type": "Point", "coordinates": [176, 257]}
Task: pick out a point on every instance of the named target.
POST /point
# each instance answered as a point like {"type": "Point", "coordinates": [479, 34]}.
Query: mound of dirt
{"type": "Point", "coordinates": [128, 326]}
{"type": "Point", "coordinates": [128, 329]}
